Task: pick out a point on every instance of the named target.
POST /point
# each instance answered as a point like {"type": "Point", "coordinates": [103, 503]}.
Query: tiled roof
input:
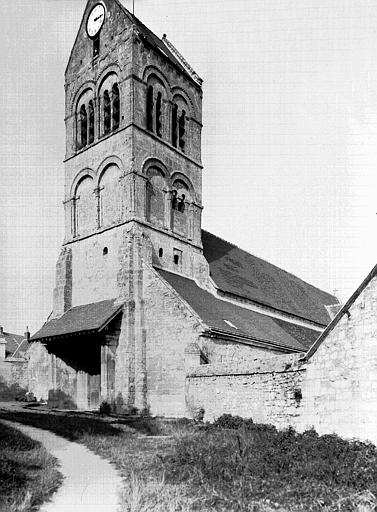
{"type": "Point", "coordinates": [237, 272]}
{"type": "Point", "coordinates": [224, 316]}
{"type": "Point", "coordinates": [88, 317]}
{"type": "Point", "coordinates": [15, 342]}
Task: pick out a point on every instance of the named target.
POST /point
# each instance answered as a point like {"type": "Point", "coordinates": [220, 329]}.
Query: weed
{"type": "Point", "coordinates": [28, 474]}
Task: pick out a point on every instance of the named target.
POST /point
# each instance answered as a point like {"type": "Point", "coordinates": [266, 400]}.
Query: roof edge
{"type": "Point", "coordinates": [313, 349]}
{"type": "Point", "coordinates": [246, 339]}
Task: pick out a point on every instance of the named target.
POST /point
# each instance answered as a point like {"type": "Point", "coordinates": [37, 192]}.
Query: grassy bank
{"type": "Point", "coordinates": [233, 465]}
{"type": "Point", "coordinates": [28, 474]}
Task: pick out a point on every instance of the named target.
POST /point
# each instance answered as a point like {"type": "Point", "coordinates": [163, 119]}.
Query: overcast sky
{"type": "Point", "coordinates": [289, 138]}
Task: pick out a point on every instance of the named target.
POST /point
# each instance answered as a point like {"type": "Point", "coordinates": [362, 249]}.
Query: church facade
{"type": "Point", "coordinates": [142, 293]}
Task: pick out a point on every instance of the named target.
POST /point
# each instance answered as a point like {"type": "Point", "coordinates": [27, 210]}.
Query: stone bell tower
{"type": "Point", "coordinates": [133, 154]}
{"type": "Point", "coordinates": [133, 183]}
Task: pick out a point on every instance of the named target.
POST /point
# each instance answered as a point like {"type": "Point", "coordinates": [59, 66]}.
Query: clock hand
{"type": "Point", "coordinates": [98, 17]}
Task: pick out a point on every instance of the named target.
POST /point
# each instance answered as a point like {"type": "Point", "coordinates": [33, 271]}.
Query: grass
{"type": "Point", "coordinates": [28, 474]}
{"type": "Point", "coordinates": [233, 465]}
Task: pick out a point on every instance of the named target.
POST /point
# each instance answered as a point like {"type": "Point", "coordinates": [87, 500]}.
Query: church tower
{"type": "Point", "coordinates": [133, 153]}
{"type": "Point", "coordinates": [133, 192]}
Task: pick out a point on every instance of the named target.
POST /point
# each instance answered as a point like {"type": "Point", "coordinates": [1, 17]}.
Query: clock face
{"type": "Point", "coordinates": [95, 20]}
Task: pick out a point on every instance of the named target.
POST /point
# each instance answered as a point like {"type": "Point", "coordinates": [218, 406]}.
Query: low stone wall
{"type": "Point", "coordinates": [13, 376]}
{"type": "Point", "coordinates": [266, 390]}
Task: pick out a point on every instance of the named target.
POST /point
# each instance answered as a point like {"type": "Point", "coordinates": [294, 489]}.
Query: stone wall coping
{"type": "Point", "coordinates": [274, 364]}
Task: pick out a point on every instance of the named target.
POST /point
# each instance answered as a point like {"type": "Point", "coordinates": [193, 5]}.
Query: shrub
{"type": "Point", "coordinates": [105, 408]}
{"type": "Point", "coordinates": [231, 422]}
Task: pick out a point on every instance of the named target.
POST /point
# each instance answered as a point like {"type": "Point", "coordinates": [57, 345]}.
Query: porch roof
{"type": "Point", "coordinates": [79, 319]}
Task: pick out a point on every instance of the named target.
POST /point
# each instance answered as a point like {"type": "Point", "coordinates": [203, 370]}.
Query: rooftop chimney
{"type": "Point", "coordinates": [27, 334]}
{"type": "Point", "coordinates": [1, 330]}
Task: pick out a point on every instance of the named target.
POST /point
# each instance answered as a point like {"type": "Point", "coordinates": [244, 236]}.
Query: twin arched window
{"type": "Point", "coordinates": [95, 207]}
{"type": "Point", "coordinates": [157, 196]}
{"type": "Point", "coordinates": [154, 116]}
{"type": "Point", "coordinates": [86, 114]}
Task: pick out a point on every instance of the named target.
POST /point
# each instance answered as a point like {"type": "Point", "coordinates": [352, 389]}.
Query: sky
{"type": "Point", "coordinates": [289, 138]}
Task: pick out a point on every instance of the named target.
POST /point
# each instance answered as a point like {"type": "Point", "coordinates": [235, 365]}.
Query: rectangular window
{"type": "Point", "coordinates": [177, 258]}
{"type": "Point", "coordinates": [96, 46]}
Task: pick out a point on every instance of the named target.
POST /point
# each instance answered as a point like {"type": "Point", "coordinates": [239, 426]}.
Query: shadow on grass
{"type": "Point", "coordinates": [70, 425]}
{"type": "Point", "coordinates": [74, 425]}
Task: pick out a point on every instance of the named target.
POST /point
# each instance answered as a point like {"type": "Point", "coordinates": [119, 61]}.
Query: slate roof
{"type": "Point", "coordinates": [88, 317]}
{"type": "Point", "coordinates": [214, 312]}
{"type": "Point", "coordinates": [16, 344]}
{"type": "Point", "coordinates": [237, 272]}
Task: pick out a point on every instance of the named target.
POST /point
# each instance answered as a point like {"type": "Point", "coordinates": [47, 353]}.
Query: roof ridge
{"type": "Point", "coordinates": [272, 264]}
{"type": "Point", "coordinates": [194, 75]}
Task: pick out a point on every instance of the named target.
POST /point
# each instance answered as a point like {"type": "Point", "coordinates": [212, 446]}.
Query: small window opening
{"type": "Point", "coordinates": [181, 203]}
{"type": "Point", "coordinates": [174, 200]}
{"type": "Point", "coordinates": [150, 109]}
{"type": "Point", "coordinates": [182, 130]}
{"type": "Point", "coordinates": [105, 251]}
{"type": "Point", "coordinates": [91, 122]}
{"type": "Point", "coordinates": [161, 252]}
{"type": "Point", "coordinates": [177, 258]}
{"type": "Point", "coordinates": [83, 126]}
{"type": "Point", "coordinates": [96, 46]}
{"type": "Point", "coordinates": [174, 131]}
{"type": "Point", "coordinates": [106, 113]}
{"type": "Point", "coordinates": [116, 107]}
{"type": "Point", "coordinates": [203, 358]}
{"type": "Point", "coordinates": [158, 114]}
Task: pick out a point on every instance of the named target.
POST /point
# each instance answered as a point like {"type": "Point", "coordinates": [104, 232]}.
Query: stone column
{"type": "Point", "coordinates": [167, 209]}
{"type": "Point", "coordinates": [190, 221]}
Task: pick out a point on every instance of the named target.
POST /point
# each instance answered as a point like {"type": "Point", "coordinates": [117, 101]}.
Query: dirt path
{"type": "Point", "coordinates": [91, 484]}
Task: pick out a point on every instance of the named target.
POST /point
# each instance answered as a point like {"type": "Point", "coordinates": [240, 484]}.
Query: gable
{"type": "Point", "coordinates": [116, 23]}
{"type": "Point", "coordinates": [361, 301]}
{"type": "Point", "coordinates": [239, 273]}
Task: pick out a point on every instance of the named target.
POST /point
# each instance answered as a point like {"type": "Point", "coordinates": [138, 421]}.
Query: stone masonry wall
{"type": "Point", "coordinates": [340, 389]}
{"type": "Point", "coordinates": [13, 372]}
{"type": "Point", "coordinates": [46, 374]}
{"type": "Point", "coordinates": [167, 337]}
{"type": "Point", "coordinates": [266, 390]}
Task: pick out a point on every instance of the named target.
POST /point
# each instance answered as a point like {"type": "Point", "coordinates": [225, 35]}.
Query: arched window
{"type": "Point", "coordinates": [150, 108]}
{"type": "Point", "coordinates": [116, 106]}
{"type": "Point", "coordinates": [182, 130]}
{"type": "Point", "coordinates": [109, 196]}
{"type": "Point", "coordinates": [180, 199]}
{"type": "Point", "coordinates": [174, 127]}
{"type": "Point", "coordinates": [158, 114]}
{"type": "Point", "coordinates": [91, 122]}
{"type": "Point", "coordinates": [106, 113]}
{"type": "Point", "coordinates": [85, 208]}
{"type": "Point", "coordinates": [155, 207]}
{"type": "Point", "coordinates": [83, 126]}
